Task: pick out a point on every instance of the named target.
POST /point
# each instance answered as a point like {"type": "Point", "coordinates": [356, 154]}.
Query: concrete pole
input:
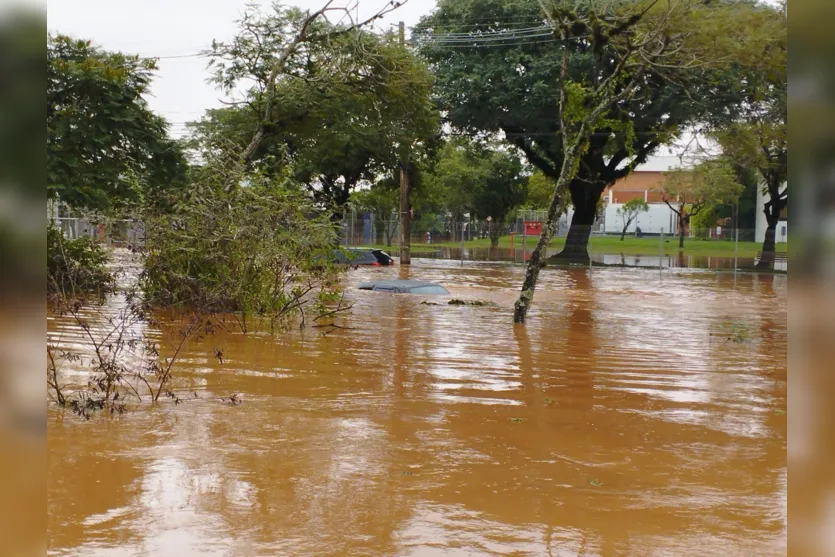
{"type": "Point", "coordinates": [405, 219]}
{"type": "Point", "coordinates": [405, 207]}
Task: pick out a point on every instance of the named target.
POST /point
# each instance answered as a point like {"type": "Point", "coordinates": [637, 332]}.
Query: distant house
{"type": "Point", "coordinates": [645, 182]}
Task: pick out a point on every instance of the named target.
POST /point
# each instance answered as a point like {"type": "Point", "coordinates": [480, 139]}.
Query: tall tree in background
{"type": "Point", "coordinates": [500, 188]}
{"type": "Point", "coordinates": [498, 69]}
{"type": "Point", "coordinates": [338, 104]}
{"type": "Point", "coordinates": [753, 130]}
{"type": "Point", "coordinates": [104, 146]}
{"type": "Point", "coordinates": [482, 180]}
{"type": "Point", "coordinates": [687, 192]}
{"type": "Point", "coordinates": [540, 190]}
{"type": "Point", "coordinates": [383, 200]}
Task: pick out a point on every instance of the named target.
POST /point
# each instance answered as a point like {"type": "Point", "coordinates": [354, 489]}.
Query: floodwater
{"type": "Point", "coordinates": [638, 413]}
{"type": "Point", "coordinates": [520, 256]}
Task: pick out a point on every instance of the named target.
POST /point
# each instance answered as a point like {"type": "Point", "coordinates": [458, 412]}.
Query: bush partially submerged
{"type": "Point", "coordinates": [263, 250]}
{"type": "Point", "coordinates": [76, 267]}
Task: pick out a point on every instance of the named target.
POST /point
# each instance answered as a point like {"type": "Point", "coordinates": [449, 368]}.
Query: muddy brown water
{"type": "Point", "coordinates": [638, 413]}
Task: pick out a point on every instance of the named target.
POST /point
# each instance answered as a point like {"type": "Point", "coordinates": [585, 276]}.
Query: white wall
{"type": "Point", "coordinates": [782, 233]}
{"type": "Point", "coordinates": [651, 222]}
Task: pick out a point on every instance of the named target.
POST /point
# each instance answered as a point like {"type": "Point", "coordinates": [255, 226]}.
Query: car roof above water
{"type": "Point", "coordinates": [396, 283]}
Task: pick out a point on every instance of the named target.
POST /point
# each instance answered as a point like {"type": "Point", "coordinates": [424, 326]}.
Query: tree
{"type": "Point", "coordinates": [708, 184]}
{"type": "Point", "coordinates": [340, 105]}
{"type": "Point", "coordinates": [495, 74]}
{"type": "Point", "coordinates": [382, 199]}
{"type": "Point", "coordinates": [540, 188]}
{"type": "Point", "coordinates": [499, 189]}
{"type": "Point", "coordinates": [753, 132]}
{"type": "Point", "coordinates": [483, 180]}
{"type": "Point", "coordinates": [637, 40]}
{"type": "Point", "coordinates": [104, 146]}
{"type": "Point", "coordinates": [630, 211]}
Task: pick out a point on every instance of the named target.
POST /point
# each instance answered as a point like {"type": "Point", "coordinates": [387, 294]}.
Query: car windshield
{"type": "Point", "coordinates": [428, 290]}
{"type": "Point", "coordinates": [354, 256]}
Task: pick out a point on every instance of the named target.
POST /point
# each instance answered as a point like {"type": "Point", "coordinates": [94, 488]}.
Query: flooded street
{"type": "Point", "coordinates": [638, 413]}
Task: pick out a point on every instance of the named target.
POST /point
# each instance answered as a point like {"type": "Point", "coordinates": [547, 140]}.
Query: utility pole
{"type": "Point", "coordinates": [405, 207]}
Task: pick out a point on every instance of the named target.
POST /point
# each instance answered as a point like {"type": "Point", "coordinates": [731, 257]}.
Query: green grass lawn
{"type": "Point", "coordinates": [614, 245]}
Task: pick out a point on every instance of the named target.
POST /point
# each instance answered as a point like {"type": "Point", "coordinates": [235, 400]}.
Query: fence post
{"type": "Point", "coordinates": [463, 225]}
{"type": "Point", "coordinates": [660, 250]}
{"type": "Point", "coordinates": [590, 247]}
{"type": "Point", "coordinates": [736, 251]}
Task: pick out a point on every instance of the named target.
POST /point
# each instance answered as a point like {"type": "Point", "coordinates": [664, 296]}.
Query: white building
{"type": "Point", "coordinates": [782, 232]}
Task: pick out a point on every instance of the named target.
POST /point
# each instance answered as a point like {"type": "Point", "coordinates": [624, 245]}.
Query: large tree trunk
{"type": "Point", "coordinates": [772, 211]}
{"type": "Point", "coordinates": [536, 261]}
{"type": "Point", "coordinates": [495, 233]}
{"type": "Point", "coordinates": [682, 226]}
{"type": "Point", "coordinates": [767, 258]}
{"type": "Point", "coordinates": [584, 198]}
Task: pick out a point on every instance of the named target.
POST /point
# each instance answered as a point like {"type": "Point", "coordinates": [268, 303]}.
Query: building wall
{"type": "Point", "coordinates": [639, 184]}
{"type": "Point", "coordinates": [782, 234]}
{"type": "Point", "coordinates": [653, 221]}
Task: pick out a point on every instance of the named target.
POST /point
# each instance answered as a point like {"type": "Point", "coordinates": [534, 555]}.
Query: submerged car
{"type": "Point", "coordinates": [404, 287]}
{"type": "Point", "coordinates": [355, 256]}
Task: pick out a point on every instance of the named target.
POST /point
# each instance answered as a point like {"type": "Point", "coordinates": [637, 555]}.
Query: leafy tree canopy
{"type": "Point", "coordinates": [498, 70]}
{"type": "Point", "coordinates": [349, 106]}
{"type": "Point", "coordinates": [483, 180]}
{"type": "Point", "coordinates": [710, 183]}
{"type": "Point", "coordinates": [104, 146]}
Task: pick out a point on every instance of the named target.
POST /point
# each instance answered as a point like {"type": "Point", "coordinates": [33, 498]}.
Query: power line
{"type": "Point", "coordinates": [479, 45]}
{"type": "Point", "coordinates": [478, 41]}
{"type": "Point", "coordinates": [480, 34]}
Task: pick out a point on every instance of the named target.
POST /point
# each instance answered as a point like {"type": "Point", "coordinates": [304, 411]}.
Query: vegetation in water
{"type": "Point", "coordinates": [76, 268]}
{"type": "Point", "coordinates": [122, 364]}
{"type": "Point", "coordinates": [263, 251]}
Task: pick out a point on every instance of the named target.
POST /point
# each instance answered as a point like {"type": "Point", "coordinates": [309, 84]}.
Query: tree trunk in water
{"type": "Point", "coordinates": [536, 262]}
{"type": "Point", "coordinates": [682, 225]}
{"type": "Point", "coordinates": [767, 257]}
{"type": "Point", "coordinates": [495, 232]}
{"type": "Point", "coordinates": [584, 198]}
{"type": "Point", "coordinates": [773, 208]}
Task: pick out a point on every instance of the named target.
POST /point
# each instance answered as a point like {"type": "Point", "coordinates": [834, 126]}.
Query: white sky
{"type": "Point", "coordinates": [176, 27]}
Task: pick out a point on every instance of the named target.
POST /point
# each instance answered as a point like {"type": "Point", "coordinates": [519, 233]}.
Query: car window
{"type": "Point", "coordinates": [358, 256]}
{"type": "Point", "coordinates": [385, 289]}
{"type": "Point", "coordinates": [428, 290]}
{"type": "Point", "coordinates": [382, 256]}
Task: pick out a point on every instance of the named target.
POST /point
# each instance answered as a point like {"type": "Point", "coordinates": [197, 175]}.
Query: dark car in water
{"type": "Point", "coordinates": [404, 287]}
{"type": "Point", "coordinates": [355, 256]}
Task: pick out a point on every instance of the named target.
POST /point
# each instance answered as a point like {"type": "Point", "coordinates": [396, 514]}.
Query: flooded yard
{"type": "Point", "coordinates": [637, 413]}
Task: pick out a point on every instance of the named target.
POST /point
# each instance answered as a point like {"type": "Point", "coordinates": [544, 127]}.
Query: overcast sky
{"type": "Point", "coordinates": [183, 27]}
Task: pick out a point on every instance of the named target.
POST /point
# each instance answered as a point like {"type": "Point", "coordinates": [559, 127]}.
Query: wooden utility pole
{"type": "Point", "coordinates": [405, 206]}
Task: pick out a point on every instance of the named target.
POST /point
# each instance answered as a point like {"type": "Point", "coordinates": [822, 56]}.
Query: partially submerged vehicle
{"type": "Point", "coordinates": [363, 256]}
{"type": "Point", "coordinates": [404, 287]}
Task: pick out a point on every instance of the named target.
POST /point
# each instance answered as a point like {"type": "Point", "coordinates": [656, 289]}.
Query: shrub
{"type": "Point", "coordinates": [76, 267]}
{"type": "Point", "coordinates": [264, 250]}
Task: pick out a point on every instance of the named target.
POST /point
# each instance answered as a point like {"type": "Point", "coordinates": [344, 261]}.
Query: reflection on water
{"type": "Point", "coordinates": [636, 414]}
{"type": "Point", "coordinates": [520, 256]}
